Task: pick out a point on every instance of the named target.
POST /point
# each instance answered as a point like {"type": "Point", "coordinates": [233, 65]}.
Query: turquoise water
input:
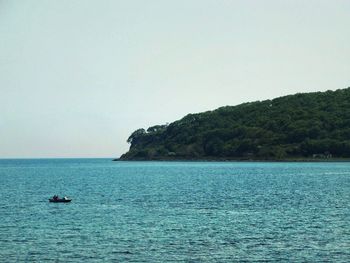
{"type": "Point", "coordinates": [174, 211]}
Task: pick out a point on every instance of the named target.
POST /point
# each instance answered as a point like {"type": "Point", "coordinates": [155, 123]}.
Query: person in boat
{"type": "Point", "coordinates": [55, 197]}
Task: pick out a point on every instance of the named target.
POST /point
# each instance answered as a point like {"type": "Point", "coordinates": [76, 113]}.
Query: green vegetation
{"type": "Point", "coordinates": [301, 126]}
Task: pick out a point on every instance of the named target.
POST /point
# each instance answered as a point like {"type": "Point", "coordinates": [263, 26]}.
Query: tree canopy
{"type": "Point", "coordinates": [304, 125]}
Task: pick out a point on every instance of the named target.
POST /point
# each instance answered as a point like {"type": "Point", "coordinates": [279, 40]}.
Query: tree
{"type": "Point", "coordinates": [135, 135]}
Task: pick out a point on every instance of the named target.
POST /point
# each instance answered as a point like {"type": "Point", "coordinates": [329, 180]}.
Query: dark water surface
{"type": "Point", "coordinates": [174, 211]}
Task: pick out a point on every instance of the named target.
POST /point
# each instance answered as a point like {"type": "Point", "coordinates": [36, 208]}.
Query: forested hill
{"type": "Point", "coordinates": [305, 125]}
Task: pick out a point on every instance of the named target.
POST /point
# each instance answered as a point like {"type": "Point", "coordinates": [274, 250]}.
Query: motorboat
{"type": "Point", "coordinates": [56, 199]}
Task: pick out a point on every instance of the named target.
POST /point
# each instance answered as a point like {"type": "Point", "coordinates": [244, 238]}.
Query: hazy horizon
{"type": "Point", "coordinates": [77, 77]}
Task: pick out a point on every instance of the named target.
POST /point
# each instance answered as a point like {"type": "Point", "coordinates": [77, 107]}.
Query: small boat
{"type": "Point", "coordinates": [56, 199]}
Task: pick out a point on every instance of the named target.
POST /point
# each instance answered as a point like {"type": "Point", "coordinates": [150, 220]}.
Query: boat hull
{"type": "Point", "coordinates": [59, 200]}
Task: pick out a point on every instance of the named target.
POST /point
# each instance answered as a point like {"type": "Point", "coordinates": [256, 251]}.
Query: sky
{"type": "Point", "coordinates": [77, 77]}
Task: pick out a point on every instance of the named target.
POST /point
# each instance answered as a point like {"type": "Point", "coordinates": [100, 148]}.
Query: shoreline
{"type": "Point", "coordinates": [292, 160]}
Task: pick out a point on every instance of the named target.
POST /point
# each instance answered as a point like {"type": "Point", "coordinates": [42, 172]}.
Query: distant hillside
{"type": "Point", "coordinates": [306, 125]}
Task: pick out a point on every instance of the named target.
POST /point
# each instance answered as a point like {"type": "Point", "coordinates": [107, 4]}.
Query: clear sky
{"type": "Point", "coordinates": [77, 77]}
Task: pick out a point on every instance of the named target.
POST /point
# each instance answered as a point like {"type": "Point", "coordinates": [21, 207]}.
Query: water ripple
{"type": "Point", "coordinates": [174, 212]}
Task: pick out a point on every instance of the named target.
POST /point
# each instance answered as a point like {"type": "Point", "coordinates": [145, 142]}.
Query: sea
{"type": "Point", "coordinates": [174, 211]}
